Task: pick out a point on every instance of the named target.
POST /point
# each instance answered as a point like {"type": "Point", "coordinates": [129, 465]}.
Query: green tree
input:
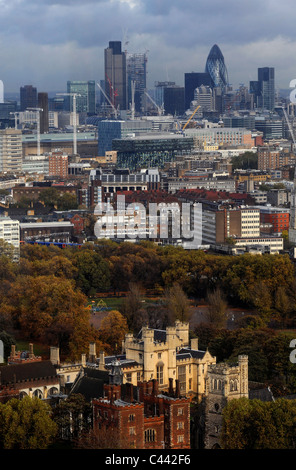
{"type": "Point", "coordinates": [26, 424]}
{"type": "Point", "coordinates": [254, 424]}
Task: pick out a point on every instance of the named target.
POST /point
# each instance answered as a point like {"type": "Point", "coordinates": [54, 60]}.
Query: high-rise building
{"type": "Point", "coordinates": [28, 97]}
{"type": "Point", "coordinates": [86, 99]}
{"type": "Point", "coordinates": [174, 100]}
{"type": "Point", "coordinates": [10, 150]}
{"type": "Point", "coordinates": [216, 68]}
{"type": "Point", "coordinates": [115, 75]}
{"type": "Point", "coordinates": [43, 104]}
{"type": "Point", "coordinates": [58, 164]}
{"type": "Point", "coordinates": [192, 81]}
{"type": "Point", "coordinates": [203, 97]}
{"type": "Point", "coordinates": [137, 73]}
{"type": "Point", "coordinates": [263, 88]}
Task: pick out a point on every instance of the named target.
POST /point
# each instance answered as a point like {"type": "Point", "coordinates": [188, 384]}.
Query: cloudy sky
{"type": "Point", "coordinates": [47, 42]}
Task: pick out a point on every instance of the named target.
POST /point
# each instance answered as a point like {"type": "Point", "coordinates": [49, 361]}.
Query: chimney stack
{"type": "Point", "coordinates": [102, 361]}
{"type": "Point", "coordinates": [177, 392]}
{"type": "Point", "coordinates": [31, 351]}
{"type": "Point", "coordinates": [92, 352]}
{"type": "Point", "coordinates": [171, 388]}
{"type": "Point", "coordinates": [12, 353]}
{"type": "Point", "coordinates": [54, 355]}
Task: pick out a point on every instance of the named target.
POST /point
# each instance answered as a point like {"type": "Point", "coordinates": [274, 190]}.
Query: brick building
{"type": "Point", "coordinates": [58, 164]}
{"type": "Point", "coordinates": [144, 417]}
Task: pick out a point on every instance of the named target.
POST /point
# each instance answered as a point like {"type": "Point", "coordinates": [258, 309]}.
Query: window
{"type": "Point", "coordinates": [159, 355]}
{"type": "Point", "coordinates": [190, 384]}
{"type": "Point", "coordinates": [129, 377]}
{"type": "Point", "coordinates": [182, 378]}
{"type": "Point", "coordinates": [180, 411]}
{"type": "Point", "coordinates": [132, 431]}
{"type": "Point", "coordinates": [159, 374]}
{"type": "Point", "coordinates": [150, 435]}
{"type": "Point", "coordinates": [180, 425]}
{"type": "Point", "coordinates": [180, 438]}
{"type": "Point", "coordinates": [138, 376]}
{"type": "Point", "coordinates": [131, 418]}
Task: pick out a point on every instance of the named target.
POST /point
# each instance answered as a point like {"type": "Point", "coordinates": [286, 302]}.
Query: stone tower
{"type": "Point", "coordinates": [224, 383]}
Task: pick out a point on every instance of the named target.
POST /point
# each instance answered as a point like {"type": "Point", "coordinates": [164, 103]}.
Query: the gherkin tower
{"type": "Point", "coordinates": [216, 68]}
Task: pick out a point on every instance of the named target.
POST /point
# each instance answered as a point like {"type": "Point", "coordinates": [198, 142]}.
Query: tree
{"type": "Point", "coordinates": [254, 424]}
{"type": "Point", "coordinates": [217, 306]}
{"type": "Point", "coordinates": [177, 304]}
{"type": "Point", "coordinates": [131, 306]}
{"type": "Point", "coordinates": [93, 273]}
{"type": "Point", "coordinates": [112, 331]}
{"type": "Point", "coordinates": [72, 416]}
{"type": "Point", "coordinates": [26, 424]}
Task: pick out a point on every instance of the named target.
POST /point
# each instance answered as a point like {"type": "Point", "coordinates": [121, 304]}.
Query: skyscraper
{"type": "Point", "coordinates": [28, 97]}
{"type": "Point", "coordinates": [137, 72]}
{"type": "Point", "coordinates": [266, 86]}
{"type": "Point", "coordinates": [86, 102]}
{"type": "Point", "coordinates": [216, 68]}
{"type": "Point", "coordinates": [115, 75]}
{"type": "Point", "coordinates": [192, 81]}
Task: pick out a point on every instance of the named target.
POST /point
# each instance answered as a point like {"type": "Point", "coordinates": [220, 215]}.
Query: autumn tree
{"type": "Point", "coordinates": [216, 308]}
{"type": "Point", "coordinates": [112, 331]}
{"type": "Point", "coordinates": [72, 417]}
{"type": "Point", "coordinates": [26, 424]}
{"type": "Point", "coordinates": [177, 304]}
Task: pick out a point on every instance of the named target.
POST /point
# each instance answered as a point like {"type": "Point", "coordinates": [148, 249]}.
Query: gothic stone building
{"type": "Point", "coordinates": [162, 355]}
{"type": "Point", "coordinates": [223, 383]}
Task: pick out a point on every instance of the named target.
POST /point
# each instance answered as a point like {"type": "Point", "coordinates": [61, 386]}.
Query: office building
{"type": "Point", "coordinates": [192, 81]}
{"type": "Point", "coordinates": [110, 130]}
{"type": "Point", "coordinates": [86, 96]}
{"type": "Point", "coordinates": [28, 97]}
{"type": "Point", "coordinates": [203, 97]}
{"type": "Point", "coordinates": [137, 73]}
{"type": "Point", "coordinates": [263, 89]}
{"type": "Point", "coordinates": [174, 100]}
{"type": "Point", "coordinates": [216, 68]}
{"type": "Point", "coordinates": [10, 150]}
{"type": "Point", "coordinates": [10, 231]}
{"type": "Point", "coordinates": [116, 75]}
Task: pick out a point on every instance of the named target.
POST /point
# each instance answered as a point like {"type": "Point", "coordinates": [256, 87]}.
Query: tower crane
{"type": "Point", "coordinates": [194, 112]}
{"type": "Point", "coordinates": [109, 101]}
{"type": "Point", "coordinates": [160, 110]}
{"type": "Point", "coordinates": [290, 128]}
{"type": "Point", "coordinates": [74, 95]}
{"type": "Point", "coordinates": [38, 110]}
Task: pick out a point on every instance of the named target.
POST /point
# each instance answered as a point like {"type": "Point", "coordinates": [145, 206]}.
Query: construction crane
{"type": "Point", "coordinates": [16, 114]}
{"type": "Point", "coordinates": [133, 85]}
{"type": "Point", "coordinates": [290, 128]}
{"type": "Point", "coordinates": [160, 110]}
{"type": "Point", "coordinates": [109, 101]}
{"type": "Point", "coordinates": [194, 112]}
{"type": "Point", "coordinates": [38, 111]}
{"type": "Point", "coordinates": [74, 95]}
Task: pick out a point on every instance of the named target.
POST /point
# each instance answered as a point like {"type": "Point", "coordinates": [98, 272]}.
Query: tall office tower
{"type": "Point", "coordinates": [86, 102]}
{"type": "Point", "coordinates": [216, 68]}
{"type": "Point", "coordinates": [174, 100]}
{"type": "Point", "coordinates": [10, 150]}
{"type": "Point", "coordinates": [115, 75]}
{"type": "Point", "coordinates": [192, 81]}
{"type": "Point", "coordinates": [266, 84]}
{"type": "Point", "coordinates": [28, 97]}
{"type": "Point", "coordinates": [43, 104]}
{"type": "Point", "coordinates": [137, 72]}
{"type": "Point", "coordinates": [263, 89]}
{"type": "Point", "coordinates": [203, 97]}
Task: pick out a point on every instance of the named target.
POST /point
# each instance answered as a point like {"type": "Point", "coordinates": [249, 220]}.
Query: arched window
{"type": "Point", "coordinates": [215, 384]}
{"type": "Point", "coordinates": [150, 435]}
{"type": "Point", "coordinates": [53, 391]}
{"type": "Point", "coordinates": [219, 385]}
{"type": "Point", "coordinates": [38, 393]}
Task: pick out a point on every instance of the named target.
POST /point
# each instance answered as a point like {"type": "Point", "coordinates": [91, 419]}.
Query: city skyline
{"type": "Point", "coordinates": [48, 42]}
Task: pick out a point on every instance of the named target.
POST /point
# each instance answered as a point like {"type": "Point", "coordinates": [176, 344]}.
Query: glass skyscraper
{"type": "Point", "coordinates": [263, 88]}
{"type": "Point", "coordinates": [86, 102]}
{"type": "Point", "coordinates": [115, 75]}
{"type": "Point", "coordinates": [216, 68]}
